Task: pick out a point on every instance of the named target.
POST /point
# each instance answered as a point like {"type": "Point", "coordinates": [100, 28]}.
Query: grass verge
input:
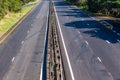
{"type": "Point", "coordinates": [11, 18]}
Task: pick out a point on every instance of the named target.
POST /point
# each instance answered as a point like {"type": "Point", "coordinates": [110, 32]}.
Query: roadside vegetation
{"type": "Point", "coordinates": [11, 11]}
{"type": "Point", "coordinates": [7, 6]}
{"type": "Point", "coordinates": [103, 7]}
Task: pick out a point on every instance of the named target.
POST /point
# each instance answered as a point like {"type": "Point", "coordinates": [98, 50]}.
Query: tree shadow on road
{"type": "Point", "coordinates": [94, 29]}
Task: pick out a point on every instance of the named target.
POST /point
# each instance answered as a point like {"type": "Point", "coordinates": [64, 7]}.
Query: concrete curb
{"type": "Point", "coordinates": [6, 34]}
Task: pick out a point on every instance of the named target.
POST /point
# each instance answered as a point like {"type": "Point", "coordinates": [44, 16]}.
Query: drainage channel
{"type": "Point", "coordinates": [54, 66]}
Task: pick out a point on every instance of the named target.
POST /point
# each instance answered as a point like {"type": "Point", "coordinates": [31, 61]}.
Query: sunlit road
{"type": "Point", "coordinates": [89, 50]}
{"type": "Point", "coordinates": [93, 50]}
{"type": "Point", "coordinates": [21, 54]}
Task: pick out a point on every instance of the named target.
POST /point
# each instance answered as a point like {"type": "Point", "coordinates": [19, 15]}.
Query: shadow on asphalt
{"type": "Point", "coordinates": [94, 29]}
{"type": "Point", "coordinates": [86, 25]}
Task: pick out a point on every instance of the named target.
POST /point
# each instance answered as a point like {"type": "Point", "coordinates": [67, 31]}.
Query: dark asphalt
{"type": "Point", "coordinates": [93, 50]}
{"type": "Point", "coordinates": [21, 54]}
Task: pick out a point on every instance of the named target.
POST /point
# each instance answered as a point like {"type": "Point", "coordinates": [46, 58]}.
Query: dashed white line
{"type": "Point", "coordinates": [87, 42]}
{"type": "Point", "coordinates": [114, 31]}
{"type": "Point", "coordinates": [99, 59]}
{"type": "Point", "coordinates": [13, 59]}
{"type": "Point", "coordinates": [107, 41]}
{"type": "Point", "coordinates": [22, 42]}
{"type": "Point", "coordinates": [82, 19]}
{"type": "Point", "coordinates": [96, 31]}
{"type": "Point", "coordinates": [28, 31]}
{"type": "Point", "coordinates": [78, 31]}
{"type": "Point", "coordinates": [118, 41]}
{"type": "Point", "coordinates": [88, 24]}
{"type": "Point", "coordinates": [69, 64]}
{"type": "Point", "coordinates": [118, 34]}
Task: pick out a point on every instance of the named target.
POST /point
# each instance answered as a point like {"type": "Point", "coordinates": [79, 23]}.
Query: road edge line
{"type": "Point", "coordinates": [45, 45]}
{"type": "Point", "coordinates": [69, 64]}
{"type": "Point", "coordinates": [8, 32]}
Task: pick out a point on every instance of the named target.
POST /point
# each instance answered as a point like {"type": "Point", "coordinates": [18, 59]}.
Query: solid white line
{"type": "Point", "coordinates": [99, 59]}
{"type": "Point", "coordinates": [107, 41]}
{"type": "Point", "coordinates": [41, 73]}
{"type": "Point", "coordinates": [69, 64]}
{"type": "Point", "coordinates": [13, 59]}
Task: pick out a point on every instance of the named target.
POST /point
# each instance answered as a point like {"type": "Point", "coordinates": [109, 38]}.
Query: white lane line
{"type": "Point", "coordinates": [118, 34]}
{"type": "Point", "coordinates": [87, 42]}
{"type": "Point", "coordinates": [79, 32]}
{"type": "Point", "coordinates": [99, 59]}
{"type": "Point", "coordinates": [28, 31]}
{"type": "Point", "coordinates": [118, 41]}
{"type": "Point", "coordinates": [69, 64]}
{"type": "Point", "coordinates": [96, 31]}
{"type": "Point", "coordinates": [88, 24]}
{"type": "Point", "coordinates": [107, 41]}
{"type": "Point", "coordinates": [41, 73]}
{"type": "Point", "coordinates": [114, 31]}
{"type": "Point", "coordinates": [82, 19]}
{"type": "Point", "coordinates": [22, 42]}
{"type": "Point", "coordinates": [13, 59]}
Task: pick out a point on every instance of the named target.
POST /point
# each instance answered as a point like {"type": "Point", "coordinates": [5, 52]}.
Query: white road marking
{"type": "Point", "coordinates": [88, 24]}
{"type": "Point", "coordinates": [118, 41]}
{"type": "Point", "coordinates": [69, 64]}
{"type": "Point", "coordinates": [107, 41]}
{"type": "Point", "coordinates": [118, 34]}
{"type": "Point", "coordinates": [87, 42]}
{"type": "Point", "coordinates": [99, 59]}
{"type": "Point", "coordinates": [28, 31]}
{"type": "Point", "coordinates": [13, 59]}
{"type": "Point", "coordinates": [22, 42]}
{"type": "Point", "coordinates": [41, 74]}
{"type": "Point", "coordinates": [96, 31]}
{"type": "Point", "coordinates": [108, 24]}
{"type": "Point", "coordinates": [79, 32]}
{"type": "Point", "coordinates": [114, 31]}
{"type": "Point", "coordinates": [82, 19]}
{"type": "Point", "coordinates": [91, 17]}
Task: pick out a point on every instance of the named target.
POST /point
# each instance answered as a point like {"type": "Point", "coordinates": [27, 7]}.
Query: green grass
{"type": "Point", "coordinates": [11, 18]}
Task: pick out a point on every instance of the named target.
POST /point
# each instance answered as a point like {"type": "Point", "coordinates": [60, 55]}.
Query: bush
{"type": "Point", "coordinates": [11, 6]}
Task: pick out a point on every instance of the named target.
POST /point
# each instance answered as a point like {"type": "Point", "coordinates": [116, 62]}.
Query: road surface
{"type": "Point", "coordinates": [89, 52]}
{"type": "Point", "coordinates": [21, 54]}
{"type": "Point", "coordinates": [92, 49]}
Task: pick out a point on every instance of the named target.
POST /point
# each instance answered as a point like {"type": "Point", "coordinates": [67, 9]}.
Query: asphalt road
{"type": "Point", "coordinates": [21, 54]}
{"type": "Point", "coordinates": [93, 50]}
